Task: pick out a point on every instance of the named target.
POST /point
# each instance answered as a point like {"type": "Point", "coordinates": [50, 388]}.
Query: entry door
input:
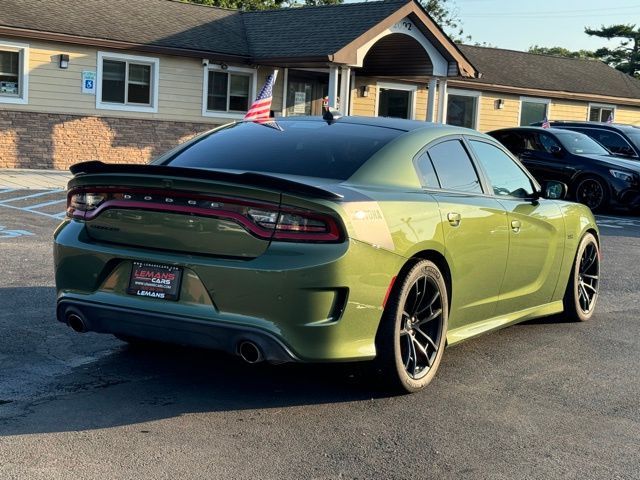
{"type": "Point", "coordinates": [395, 103]}
{"type": "Point", "coordinates": [299, 97]}
{"type": "Point", "coordinates": [305, 95]}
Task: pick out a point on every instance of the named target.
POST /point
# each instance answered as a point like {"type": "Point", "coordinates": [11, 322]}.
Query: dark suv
{"type": "Point", "coordinates": [618, 138]}
{"type": "Point", "coordinates": [594, 177]}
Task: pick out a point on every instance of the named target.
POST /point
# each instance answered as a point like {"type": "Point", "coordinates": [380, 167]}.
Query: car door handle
{"type": "Point", "coordinates": [454, 218]}
{"type": "Point", "coordinates": [516, 225]}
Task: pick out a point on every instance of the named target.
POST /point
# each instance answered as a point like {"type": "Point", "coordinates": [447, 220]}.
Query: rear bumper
{"type": "Point", "coordinates": [171, 329]}
{"type": "Point", "coordinates": [300, 302]}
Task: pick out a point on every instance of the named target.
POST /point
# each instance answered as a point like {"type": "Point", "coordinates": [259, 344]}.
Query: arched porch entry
{"type": "Point", "coordinates": [398, 68]}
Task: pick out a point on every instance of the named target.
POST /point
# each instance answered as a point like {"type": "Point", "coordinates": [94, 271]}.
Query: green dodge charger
{"type": "Point", "coordinates": [309, 240]}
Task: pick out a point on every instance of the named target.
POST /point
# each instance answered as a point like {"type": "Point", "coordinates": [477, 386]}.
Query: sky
{"type": "Point", "coordinates": [517, 24]}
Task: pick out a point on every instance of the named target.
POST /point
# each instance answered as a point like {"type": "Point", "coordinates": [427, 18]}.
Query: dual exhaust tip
{"type": "Point", "coordinates": [249, 351]}
{"type": "Point", "coordinates": [76, 322]}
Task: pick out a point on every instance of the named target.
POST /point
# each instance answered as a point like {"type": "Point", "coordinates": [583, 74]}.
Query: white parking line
{"type": "Point", "coordinates": [34, 195]}
{"type": "Point", "coordinates": [7, 202]}
{"type": "Point", "coordinates": [54, 216]}
{"type": "Point", "coordinates": [45, 204]}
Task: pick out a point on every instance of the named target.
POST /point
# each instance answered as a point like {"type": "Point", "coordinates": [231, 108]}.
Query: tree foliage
{"type": "Point", "coordinates": [561, 52]}
{"type": "Point", "coordinates": [446, 14]}
{"type": "Point", "coordinates": [625, 57]}
{"type": "Point", "coordinates": [262, 4]}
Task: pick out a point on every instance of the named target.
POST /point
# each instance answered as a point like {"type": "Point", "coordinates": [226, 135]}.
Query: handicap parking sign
{"type": "Point", "coordinates": [89, 82]}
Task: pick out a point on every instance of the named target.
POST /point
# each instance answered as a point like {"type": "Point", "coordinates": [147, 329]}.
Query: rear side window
{"type": "Point", "coordinates": [454, 168]}
{"type": "Point", "coordinates": [514, 141]}
{"type": "Point", "coordinates": [428, 177]}
{"type": "Point", "coordinates": [307, 148]}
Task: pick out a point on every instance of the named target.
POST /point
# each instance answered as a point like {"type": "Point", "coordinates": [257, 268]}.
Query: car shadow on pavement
{"type": "Point", "coordinates": [118, 384]}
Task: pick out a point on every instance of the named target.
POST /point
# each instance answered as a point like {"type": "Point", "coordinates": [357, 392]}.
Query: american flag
{"type": "Point", "coordinates": [545, 123]}
{"type": "Point", "coordinates": [260, 109]}
{"type": "Point", "coordinates": [610, 119]}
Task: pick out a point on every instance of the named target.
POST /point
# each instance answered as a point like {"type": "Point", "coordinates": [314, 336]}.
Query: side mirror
{"type": "Point", "coordinates": [554, 190]}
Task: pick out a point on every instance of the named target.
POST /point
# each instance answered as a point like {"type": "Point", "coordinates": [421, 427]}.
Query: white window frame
{"type": "Point", "coordinates": [546, 101]}
{"type": "Point", "coordinates": [23, 83]}
{"type": "Point", "coordinates": [466, 93]}
{"type": "Point", "coordinates": [601, 105]}
{"type": "Point", "coordinates": [398, 86]}
{"type": "Point", "coordinates": [132, 107]}
{"type": "Point", "coordinates": [252, 72]}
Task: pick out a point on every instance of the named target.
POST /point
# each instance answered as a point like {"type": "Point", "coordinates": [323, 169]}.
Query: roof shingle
{"type": "Point", "coordinates": [548, 72]}
{"type": "Point", "coordinates": [149, 22]}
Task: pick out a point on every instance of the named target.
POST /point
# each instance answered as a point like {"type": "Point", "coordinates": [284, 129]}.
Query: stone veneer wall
{"type": "Point", "coordinates": [46, 140]}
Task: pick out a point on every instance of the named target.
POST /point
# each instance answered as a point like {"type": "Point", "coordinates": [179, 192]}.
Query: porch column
{"type": "Point", "coordinates": [345, 80]}
{"type": "Point", "coordinates": [285, 85]}
{"type": "Point", "coordinates": [431, 100]}
{"type": "Point", "coordinates": [333, 86]}
{"type": "Point", "coordinates": [442, 100]}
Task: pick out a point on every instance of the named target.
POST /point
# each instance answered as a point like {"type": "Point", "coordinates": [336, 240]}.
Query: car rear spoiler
{"type": "Point", "coordinates": [246, 178]}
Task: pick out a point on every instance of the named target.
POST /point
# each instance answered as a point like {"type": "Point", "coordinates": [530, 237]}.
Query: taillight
{"type": "Point", "coordinates": [264, 220]}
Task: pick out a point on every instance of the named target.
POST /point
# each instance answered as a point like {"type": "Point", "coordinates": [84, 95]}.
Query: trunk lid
{"type": "Point", "coordinates": [182, 209]}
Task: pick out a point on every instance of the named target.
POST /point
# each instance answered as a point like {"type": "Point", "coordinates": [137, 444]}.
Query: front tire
{"type": "Point", "coordinates": [592, 192]}
{"type": "Point", "coordinates": [413, 329]}
{"type": "Point", "coordinates": [582, 290]}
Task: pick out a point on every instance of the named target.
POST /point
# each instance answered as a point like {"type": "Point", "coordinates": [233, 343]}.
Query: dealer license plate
{"type": "Point", "coordinates": [155, 281]}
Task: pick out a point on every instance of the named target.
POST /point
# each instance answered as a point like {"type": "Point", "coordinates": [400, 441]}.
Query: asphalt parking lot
{"type": "Point", "coordinates": [544, 399]}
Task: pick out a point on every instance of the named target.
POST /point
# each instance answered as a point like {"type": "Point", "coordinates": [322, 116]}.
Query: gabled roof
{"type": "Point", "coordinates": [548, 72]}
{"type": "Point", "coordinates": [317, 34]}
{"type": "Point", "coordinates": [312, 31]}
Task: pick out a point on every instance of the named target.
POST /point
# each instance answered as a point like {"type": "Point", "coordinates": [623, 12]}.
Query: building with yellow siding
{"type": "Point", "coordinates": [124, 80]}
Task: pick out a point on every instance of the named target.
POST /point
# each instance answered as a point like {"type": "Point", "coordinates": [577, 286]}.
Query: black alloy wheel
{"type": "Point", "coordinates": [412, 334]}
{"type": "Point", "coordinates": [592, 192]}
{"type": "Point", "coordinates": [582, 291]}
{"type": "Point", "coordinates": [421, 327]}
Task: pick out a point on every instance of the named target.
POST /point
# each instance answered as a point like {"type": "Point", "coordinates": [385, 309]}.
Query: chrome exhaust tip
{"type": "Point", "coordinates": [250, 352]}
{"type": "Point", "coordinates": [76, 323]}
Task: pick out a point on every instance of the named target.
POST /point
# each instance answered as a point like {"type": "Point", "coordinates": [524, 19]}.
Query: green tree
{"type": "Point", "coordinates": [262, 4]}
{"type": "Point", "coordinates": [446, 14]}
{"type": "Point", "coordinates": [561, 52]}
{"type": "Point", "coordinates": [626, 57]}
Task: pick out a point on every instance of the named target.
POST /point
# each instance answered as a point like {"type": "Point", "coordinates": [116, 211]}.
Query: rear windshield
{"type": "Point", "coordinates": [580, 144]}
{"type": "Point", "coordinates": [307, 148]}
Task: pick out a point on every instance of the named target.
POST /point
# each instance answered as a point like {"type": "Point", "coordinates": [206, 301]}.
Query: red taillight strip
{"type": "Point", "coordinates": [333, 235]}
{"type": "Point", "coordinates": [201, 212]}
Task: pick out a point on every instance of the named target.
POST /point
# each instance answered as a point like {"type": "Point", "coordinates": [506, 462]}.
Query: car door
{"type": "Point", "coordinates": [475, 230]}
{"type": "Point", "coordinates": [536, 231]}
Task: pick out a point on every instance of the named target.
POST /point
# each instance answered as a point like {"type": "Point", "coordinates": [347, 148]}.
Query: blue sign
{"type": "Point", "coordinates": [89, 83]}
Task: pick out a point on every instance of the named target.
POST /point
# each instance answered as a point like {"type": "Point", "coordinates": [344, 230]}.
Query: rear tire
{"type": "Point", "coordinates": [581, 295]}
{"type": "Point", "coordinates": [413, 330]}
